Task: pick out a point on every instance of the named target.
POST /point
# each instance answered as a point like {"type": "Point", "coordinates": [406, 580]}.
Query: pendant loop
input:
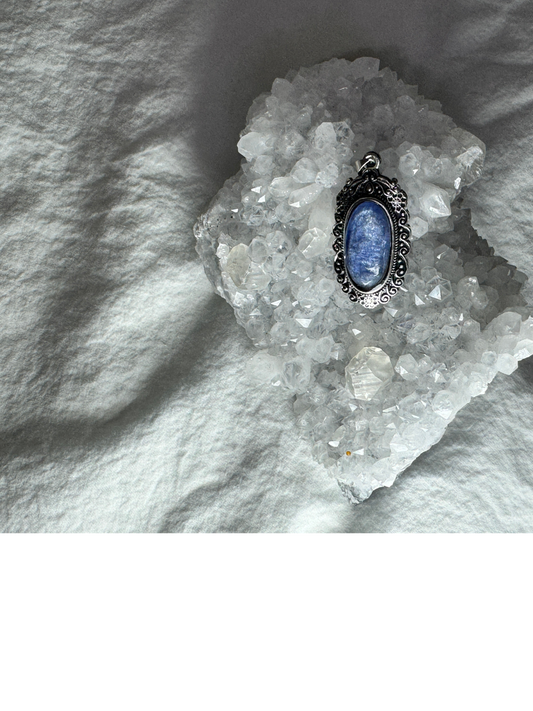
{"type": "Point", "coordinates": [371, 161]}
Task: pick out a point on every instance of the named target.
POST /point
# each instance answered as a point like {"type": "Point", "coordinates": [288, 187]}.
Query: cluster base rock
{"type": "Point", "coordinates": [372, 389]}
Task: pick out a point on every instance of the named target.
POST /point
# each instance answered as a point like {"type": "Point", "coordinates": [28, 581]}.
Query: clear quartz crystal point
{"type": "Point", "coordinates": [380, 384]}
{"type": "Point", "coordinates": [313, 243]}
{"type": "Point", "coordinates": [367, 372]}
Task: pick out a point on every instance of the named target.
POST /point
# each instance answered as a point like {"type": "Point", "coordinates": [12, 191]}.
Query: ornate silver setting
{"type": "Point", "coordinates": [371, 185]}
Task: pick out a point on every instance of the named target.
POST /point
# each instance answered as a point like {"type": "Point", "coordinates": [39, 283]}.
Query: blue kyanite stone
{"type": "Point", "coordinates": [367, 245]}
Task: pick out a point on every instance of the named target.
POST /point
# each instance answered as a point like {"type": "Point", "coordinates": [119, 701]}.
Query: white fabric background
{"type": "Point", "coordinates": [124, 403]}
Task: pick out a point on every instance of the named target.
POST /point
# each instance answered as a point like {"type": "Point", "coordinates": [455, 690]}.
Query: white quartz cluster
{"type": "Point", "coordinates": [371, 389]}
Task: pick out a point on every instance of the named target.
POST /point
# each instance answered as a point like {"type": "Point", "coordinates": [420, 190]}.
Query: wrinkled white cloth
{"type": "Point", "coordinates": [124, 401]}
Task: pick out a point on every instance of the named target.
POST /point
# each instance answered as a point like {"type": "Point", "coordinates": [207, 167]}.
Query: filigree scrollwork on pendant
{"type": "Point", "coordinates": [370, 185]}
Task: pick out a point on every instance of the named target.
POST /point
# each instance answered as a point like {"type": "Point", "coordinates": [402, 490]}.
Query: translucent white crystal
{"type": "Point", "coordinates": [321, 216]}
{"type": "Point", "coordinates": [266, 241]}
{"type": "Point", "coordinates": [471, 294]}
{"type": "Point", "coordinates": [238, 263]}
{"type": "Point", "coordinates": [299, 265]}
{"type": "Point", "coordinates": [523, 349]}
{"type": "Point", "coordinates": [409, 163]}
{"type": "Point", "coordinates": [506, 363]}
{"type": "Point", "coordinates": [444, 404]}
{"type": "Point", "coordinates": [264, 368]}
{"type": "Point", "coordinates": [313, 243]}
{"type": "Point", "coordinates": [256, 279]}
{"type": "Point", "coordinates": [367, 372]}
{"type": "Point", "coordinates": [317, 350]}
{"type": "Point", "coordinates": [282, 187]}
{"type": "Point", "coordinates": [304, 196]}
{"type": "Point", "coordinates": [435, 202]}
{"type": "Point", "coordinates": [254, 144]}
{"type": "Point", "coordinates": [325, 137]}
{"type": "Point", "coordinates": [296, 374]}
{"type": "Point", "coordinates": [407, 367]}
{"type": "Point", "coordinates": [438, 288]}
{"type": "Point", "coordinates": [366, 67]}
{"type": "Point", "coordinates": [258, 250]}
{"type": "Point", "coordinates": [328, 176]}
{"type": "Point", "coordinates": [304, 171]}
{"type": "Point", "coordinates": [472, 161]}
{"type": "Point", "coordinates": [290, 144]}
{"type": "Point", "coordinates": [279, 242]}
{"type": "Point", "coordinates": [419, 227]}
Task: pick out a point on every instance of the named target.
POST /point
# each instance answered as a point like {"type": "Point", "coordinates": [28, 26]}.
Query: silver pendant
{"type": "Point", "coordinates": [372, 235]}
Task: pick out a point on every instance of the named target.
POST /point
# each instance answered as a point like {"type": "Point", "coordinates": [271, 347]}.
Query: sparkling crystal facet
{"type": "Point", "coordinates": [367, 372]}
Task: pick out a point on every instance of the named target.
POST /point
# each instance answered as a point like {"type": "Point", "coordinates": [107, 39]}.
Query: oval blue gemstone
{"type": "Point", "coordinates": [368, 245]}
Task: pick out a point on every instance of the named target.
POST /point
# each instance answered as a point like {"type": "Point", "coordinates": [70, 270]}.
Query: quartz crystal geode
{"type": "Point", "coordinates": [371, 389]}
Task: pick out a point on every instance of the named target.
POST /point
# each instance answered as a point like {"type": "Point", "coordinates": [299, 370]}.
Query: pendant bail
{"type": "Point", "coordinates": [371, 161]}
